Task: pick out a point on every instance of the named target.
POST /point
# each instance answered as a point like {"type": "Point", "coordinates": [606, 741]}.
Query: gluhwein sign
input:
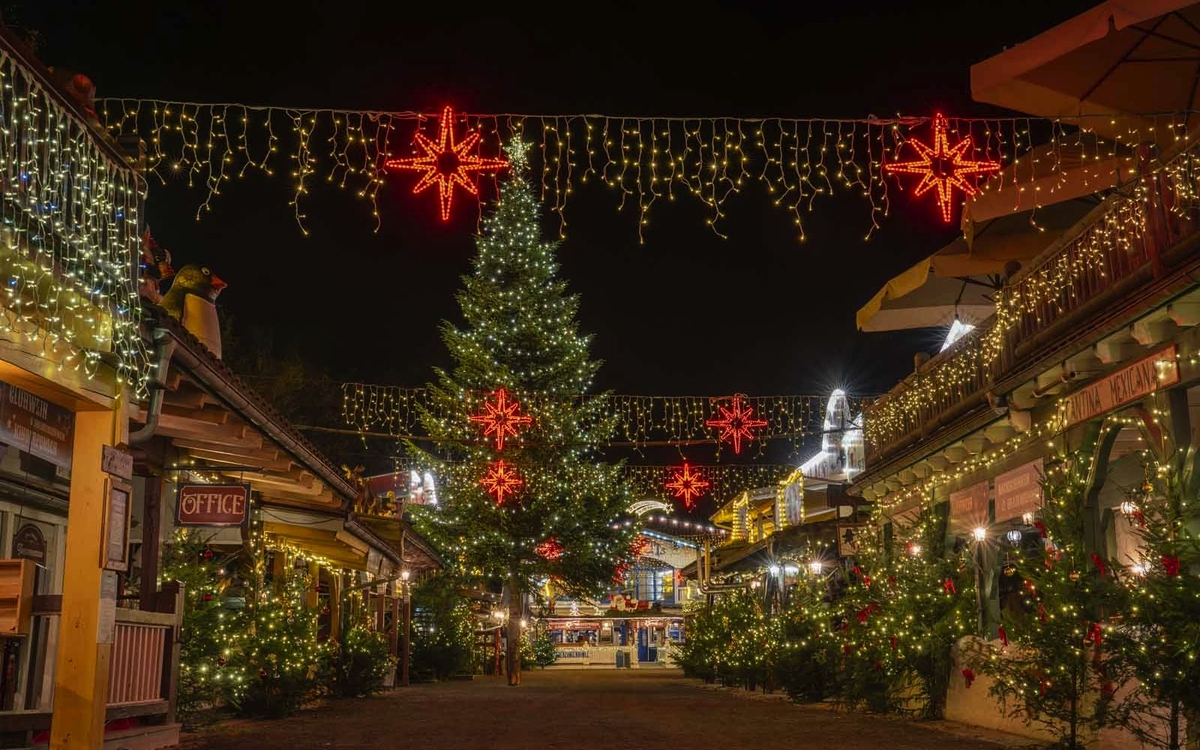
{"type": "Point", "coordinates": [213, 504]}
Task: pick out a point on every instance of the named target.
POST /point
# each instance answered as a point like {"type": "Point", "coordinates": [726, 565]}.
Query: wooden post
{"type": "Point", "coordinates": [86, 627]}
{"type": "Point", "coordinates": [278, 570]}
{"type": "Point", "coordinates": [172, 590]}
{"type": "Point", "coordinates": [380, 621]}
{"type": "Point", "coordinates": [311, 596]}
{"type": "Point", "coordinates": [406, 655]}
{"type": "Point", "coordinates": [335, 606]}
{"type": "Point", "coordinates": [151, 544]}
{"type": "Point", "coordinates": [394, 633]}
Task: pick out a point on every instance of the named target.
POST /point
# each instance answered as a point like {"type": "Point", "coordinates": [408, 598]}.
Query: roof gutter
{"type": "Point", "coordinates": [164, 347]}
{"type": "Point", "coordinates": [231, 394]}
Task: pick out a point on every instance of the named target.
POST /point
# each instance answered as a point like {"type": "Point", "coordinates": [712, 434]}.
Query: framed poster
{"type": "Point", "coordinates": [114, 538]}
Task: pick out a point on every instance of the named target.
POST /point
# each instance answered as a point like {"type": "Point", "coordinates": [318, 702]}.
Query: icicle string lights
{"type": "Point", "coordinates": [69, 233]}
{"type": "Point", "coordinates": [642, 420]}
{"type": "Point", "coordinates": [644, 160]}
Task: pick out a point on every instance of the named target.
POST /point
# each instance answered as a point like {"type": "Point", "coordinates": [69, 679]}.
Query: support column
{"type": "Point", "coordinates": [406, 642]}
{"type": "Point", "coordinates": [335, 606]}
{"type": "Point", "coordinates": [84, 646]}
{"type": "Point", "coordinates": [151, 525]}
{"type": "Point", "coordinates": [394, 633]}
{"type": "Point", "coordinates": [312, 596]}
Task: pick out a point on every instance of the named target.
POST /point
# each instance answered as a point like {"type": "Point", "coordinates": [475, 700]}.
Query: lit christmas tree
{"type": "Point", "coordinates": [1061, 672]}
{"type": "Point", "coordinates": [1164, 615]}
{"type": "Point", "coordinates": [546, 487]}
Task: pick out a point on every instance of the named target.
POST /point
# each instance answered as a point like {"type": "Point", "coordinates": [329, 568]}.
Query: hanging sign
{"type": "Point", "coordinates": [1124, 386]}
{"type": "Point", "coordinates": [116, 462]}
{"type": "Point", "coordinates": [36, 426]}
{"type": "Point", "coordinates": [30, 543]}
{"type": "Point", "coordinates": [969, 506]}
{"type": "Point", "coordinates": [212, 504]}
{"type": "Point", "coordinates": [1019, 491]}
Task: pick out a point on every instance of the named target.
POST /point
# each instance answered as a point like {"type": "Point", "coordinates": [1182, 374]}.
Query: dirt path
{"type": "Point", "coordinates": [576, 710]}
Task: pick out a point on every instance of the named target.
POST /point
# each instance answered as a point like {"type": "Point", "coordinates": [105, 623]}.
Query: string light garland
{"type": "Point", "coordinates": [501, 480]}
{"type": "Point", "coordinates": [687, 485]}
{"type": "Point", "coordinates": [445, 163]}
{"type": "Point", "coordinates": [640, 421]}
{"type": "Point", "coordinates": [943, 167]}
{"type": "Point", "coordinates": [501, 418]}
{"type": "Point", "coordinates": [70, 233]}
{"type": "Point", "coordinates": [643, 160]}
{"type": "Point", "coordinates": [737, 423]}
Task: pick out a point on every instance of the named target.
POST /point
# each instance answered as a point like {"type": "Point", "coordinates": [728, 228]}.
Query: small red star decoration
{"type": "Point", "coordinates": [551, 549]}
{"type": "Point", "coordinates": [687, 485]}
{"type": "Point", "coordinates": [944, 167]}
{"type": "Point", "coordinates": [501, 418]}
{"type": "Point", "coordinates": [736, 423]}
{"type": "Point", "coordinates": [501, 480]}
{"type": "Point", "coordinates": [445, 163]}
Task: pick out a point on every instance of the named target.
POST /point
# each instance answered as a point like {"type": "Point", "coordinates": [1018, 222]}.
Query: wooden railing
{"type": "Point", "coordinates": [141, 647]}
{"type": "Point", "coordinates": [1118, 248]}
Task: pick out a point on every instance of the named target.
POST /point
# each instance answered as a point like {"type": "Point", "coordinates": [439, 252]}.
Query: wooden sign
{"type": "Point", "coordinates": [29, 543]}
{"type": "Point", "coordinates": [969, 506]}
{"type": "Point", "coordinates": [1019, 491]}
{"type": "Point", "coordinates": [116, 462]}
{"type": "Point", "coordinates": [848, 538]}
{"type": "Point", "coordinates": [213, 504]}
{"type": "Point", "coordinates": [114, 539]}
{"type": "Point", "coordinates": [36, 426]}
{"type": "Point", "coordinates": [1124, 386]}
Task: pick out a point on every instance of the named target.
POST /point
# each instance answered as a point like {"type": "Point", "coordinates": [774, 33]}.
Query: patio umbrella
{"type": "Point", "coordinates": [1102, 67]}
{"type": "Point", "coordinates": [959, 281]}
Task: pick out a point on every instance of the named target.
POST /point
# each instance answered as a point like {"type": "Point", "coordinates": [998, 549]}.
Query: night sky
{"type": "Point", "coordinates": [685, 313]}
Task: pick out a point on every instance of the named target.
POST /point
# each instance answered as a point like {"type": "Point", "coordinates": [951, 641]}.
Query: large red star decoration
{"type": "Point", "coordinates": [736, 423]}
{"type": "Point", "coordinates": [551, 549]}
{"type": "Point", "coordinates": [687, 485]}
{"type": "Point", "coordinates": [501, 418]}
{"type": "Point", "coordinates": [943, 167]}
{"type": "Point", "coordinates": [445, 163]}
{"type": "Point", "coordinates": [501, 480]}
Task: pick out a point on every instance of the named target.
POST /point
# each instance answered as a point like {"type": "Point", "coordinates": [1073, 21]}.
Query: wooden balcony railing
{"type": "Point", "coordinates": [1117, 249]}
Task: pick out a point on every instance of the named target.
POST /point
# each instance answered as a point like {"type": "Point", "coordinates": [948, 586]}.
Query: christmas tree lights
{"type": "Point", "coordinates": [520, 334]}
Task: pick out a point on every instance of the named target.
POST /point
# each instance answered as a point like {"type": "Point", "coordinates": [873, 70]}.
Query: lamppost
{"type": "Point", "coordinates": [405, 657]}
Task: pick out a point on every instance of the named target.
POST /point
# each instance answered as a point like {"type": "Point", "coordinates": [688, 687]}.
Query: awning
{"type": "Point", "coordinates": [1118, 58]}
{"type": "Point", "coordinates": [1076, 166]}
{"type": "Point", "coordinates": [960, 280]}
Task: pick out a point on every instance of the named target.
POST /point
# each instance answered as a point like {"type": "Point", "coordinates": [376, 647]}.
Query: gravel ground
{"type": "Point", "coordinates": [581, 710]}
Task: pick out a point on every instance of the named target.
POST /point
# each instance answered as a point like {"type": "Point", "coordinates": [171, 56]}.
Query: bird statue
{"type": "Point", "coordinates": [190, 300]}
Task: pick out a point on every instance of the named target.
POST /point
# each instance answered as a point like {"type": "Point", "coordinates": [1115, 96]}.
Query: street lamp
{"type": "Point", "coordinates": [979, 533]}
{"type": "Point", "coordinates": [816, 566]}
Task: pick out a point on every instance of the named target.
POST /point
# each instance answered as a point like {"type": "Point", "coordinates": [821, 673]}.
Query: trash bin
{"type": "Point", "coordinates": [620, 659]}
{"type": "Point", "coordinates": [628, 660]}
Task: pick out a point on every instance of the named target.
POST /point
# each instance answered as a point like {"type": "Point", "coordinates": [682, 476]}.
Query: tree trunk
{"type": "Point", "coordinates": [516, 610]}
{"type": "Point", "coordinates": [1192, 719]}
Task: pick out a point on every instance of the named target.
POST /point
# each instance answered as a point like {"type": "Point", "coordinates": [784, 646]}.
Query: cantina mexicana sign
{"type": "Point", "coordinates": [1124, 386]}
{"type": "Point", "coordinates": [213, 504]}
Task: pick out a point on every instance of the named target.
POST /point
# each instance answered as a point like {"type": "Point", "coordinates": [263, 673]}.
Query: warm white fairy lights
{"type": "Point", "coordinates": [69, 231]}
{"type": "Point", "coordinates": [644, 160]}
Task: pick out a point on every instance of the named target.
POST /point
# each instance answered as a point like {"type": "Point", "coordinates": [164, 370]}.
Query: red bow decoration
{"type": "Point", "coordinates": [949, 587]}
{"type": "Point", "coordinates": [1030, 588]}
{"type": "Point", "coordinates": [863, 577]}
{"type": "Point", "coordinates": [1095, 634]}
{"type": "Point", "coordinates": [968, 677]}
{"type": "Point", "coordinates": [893, 639]}
{"type": "Point", "coordinates": [1003, 635]}
{"type": "Point", "coordinates": [1140, 517]}
{"type": "Point", "coordinates": [1042, 685]}
{"type": "Point", "coordinates": [1041, 527]}
{"type": "Point", "coordinates": [846, 649]}
{"type": "Point", "coordinates": [1100, 566]}
{"type": "Point", "coordinates": [1041, 613]}
{"type": "Point", "coordinates": [891, 580]}
{"type": "Point", "coordinates": [867, 611]}
{"type": "Point", "coordinates": [1171, 564]}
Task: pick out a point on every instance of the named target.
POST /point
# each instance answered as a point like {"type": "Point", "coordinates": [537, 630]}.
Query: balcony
{"type": "Point", "coordinates": [1096, 275]}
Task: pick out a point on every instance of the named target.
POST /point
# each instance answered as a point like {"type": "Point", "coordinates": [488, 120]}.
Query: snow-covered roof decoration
{"type": "Point", "coordinates": [841, 456]}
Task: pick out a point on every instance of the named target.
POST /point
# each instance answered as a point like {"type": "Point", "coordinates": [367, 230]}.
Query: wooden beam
{"type": "Point", "coordinates": [269, 453]}
{"type": "Point", "coordinates": [238, 459]}
{"type": "Point", "coordinates": [326, 536]}
{"type": "Point", "coordinates": [325, 502]}
{"type": "Point", "coordinates": [228, 435]}
{"type": "Point", "coordinates": [287, 484]}
{"type": "Point", "coordinates": [189, 398]}
{"type": "Point", "coordinates": [348, 539]}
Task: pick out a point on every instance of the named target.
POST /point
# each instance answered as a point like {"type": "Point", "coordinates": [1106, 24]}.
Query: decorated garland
{"type": "Point", "coordinates": [643, 159]}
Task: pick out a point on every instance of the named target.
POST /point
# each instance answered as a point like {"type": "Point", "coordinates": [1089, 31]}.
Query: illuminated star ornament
{"type": "Point", "coordinates": [501, 480]}
{"type": "Point", "coordinates": [500, 418]}
{"type": "Point", "coordinates": [687, 485]}
{"type": "Point", "coordinates": [446, 163]}
{"type": "Point", "coordinates": [737, 423]}
{"type": "Point", "coordinates": [943, 167]}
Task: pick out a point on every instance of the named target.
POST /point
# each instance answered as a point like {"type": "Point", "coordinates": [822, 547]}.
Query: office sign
{"type": "Point", "coordinates": [1129, 384]}
{"type": "Point", "coordinates": [36, 426]}
{"type": "Point", "coordinates": [213, 504]}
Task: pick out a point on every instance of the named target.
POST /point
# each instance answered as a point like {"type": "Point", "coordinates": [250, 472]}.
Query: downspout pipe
{"type": "Point", "coordinates": [219, 384]}
{"type": "Point", "coordinates": [164, 346]}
